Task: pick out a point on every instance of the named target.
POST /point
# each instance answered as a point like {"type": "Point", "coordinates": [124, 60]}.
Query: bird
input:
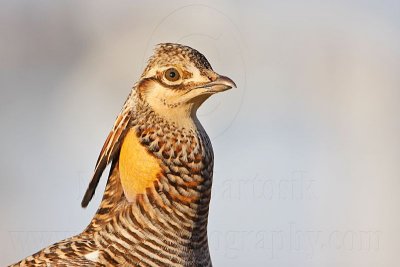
{"type": "Point", "coordinates": [154, 210]}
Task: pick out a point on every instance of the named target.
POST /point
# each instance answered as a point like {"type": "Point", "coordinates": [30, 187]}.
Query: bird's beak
{"type": "Point", "coordinates": [222, 83]}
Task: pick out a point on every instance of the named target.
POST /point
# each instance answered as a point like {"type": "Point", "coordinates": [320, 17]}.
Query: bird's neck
{"type": "Point", "coordinates": [176, 202]}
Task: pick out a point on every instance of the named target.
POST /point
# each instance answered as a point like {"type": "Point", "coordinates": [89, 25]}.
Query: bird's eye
{"type": "Point", "coordinates": [172, 74]}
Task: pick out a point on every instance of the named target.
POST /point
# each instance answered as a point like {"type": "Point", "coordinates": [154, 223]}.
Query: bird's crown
{"type": "Point", "coordinates": [169, 53]}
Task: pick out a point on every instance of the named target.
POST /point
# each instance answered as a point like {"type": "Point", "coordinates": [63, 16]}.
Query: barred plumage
{"type": "Point", "coordinates": [155, 208]}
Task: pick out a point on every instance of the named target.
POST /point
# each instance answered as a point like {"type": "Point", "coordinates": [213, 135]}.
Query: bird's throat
{"type": "Point", "coordinates": [138, 168]}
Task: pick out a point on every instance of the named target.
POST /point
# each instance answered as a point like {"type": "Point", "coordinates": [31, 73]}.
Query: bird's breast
{"type": "Point", "coordinates": [139, 169]}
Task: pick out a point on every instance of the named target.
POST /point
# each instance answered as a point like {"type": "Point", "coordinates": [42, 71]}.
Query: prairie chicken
{"type": "Point", "coordinates": [154, 210]}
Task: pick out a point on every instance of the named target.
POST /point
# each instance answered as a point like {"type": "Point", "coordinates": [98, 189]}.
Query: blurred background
{"type": "Point", "coordinates": [307, 147]}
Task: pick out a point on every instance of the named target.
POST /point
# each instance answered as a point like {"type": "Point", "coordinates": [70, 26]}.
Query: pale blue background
{"type": "Point", "coordinates": [307, 147]}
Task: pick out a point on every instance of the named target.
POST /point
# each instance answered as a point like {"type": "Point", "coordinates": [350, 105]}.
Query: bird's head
{"type": "Point", "coordinates": [178, 79]}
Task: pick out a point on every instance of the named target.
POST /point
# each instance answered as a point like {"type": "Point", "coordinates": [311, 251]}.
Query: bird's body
{"type": "Point", "coordinates": [155, 206]}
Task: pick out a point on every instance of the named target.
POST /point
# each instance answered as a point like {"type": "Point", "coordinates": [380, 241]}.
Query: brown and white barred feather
{"type": "Point", "coordinates": [166, 223]}
{"type": "Point", "coordinates": [166, 226]}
